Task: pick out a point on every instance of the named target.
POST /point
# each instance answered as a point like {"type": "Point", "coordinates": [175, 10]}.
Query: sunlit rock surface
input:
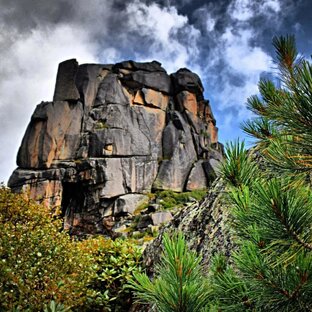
{"type": "Point", "coordinates": [112, 134]}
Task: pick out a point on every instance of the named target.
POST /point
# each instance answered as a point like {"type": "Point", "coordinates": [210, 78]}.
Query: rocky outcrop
{"type": "Point", "coordinates": [205, 226]}
{"type": "Point", "coordinates": [113, 134]}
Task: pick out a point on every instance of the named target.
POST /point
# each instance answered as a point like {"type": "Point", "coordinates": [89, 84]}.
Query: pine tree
{"type": "Point", "coordinates": [270, 197]}
{"type": "Point", "coordinates": [179, 284]}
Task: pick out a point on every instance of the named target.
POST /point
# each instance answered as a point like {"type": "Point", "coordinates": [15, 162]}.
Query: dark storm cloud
{"type": "Point", "coordinates": [107, 21]}
{"type": "Point", "coordinates": [104, 20]}
{"type": "Point", "coordinates": [28, 14]}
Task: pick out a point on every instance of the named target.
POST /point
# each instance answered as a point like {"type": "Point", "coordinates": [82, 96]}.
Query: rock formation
{"type": "Point", "coordinates": [113, 134]}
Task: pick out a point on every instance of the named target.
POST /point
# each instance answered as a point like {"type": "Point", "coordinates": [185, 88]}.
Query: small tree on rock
{"type": "Point", "coordinates": [179, 284]}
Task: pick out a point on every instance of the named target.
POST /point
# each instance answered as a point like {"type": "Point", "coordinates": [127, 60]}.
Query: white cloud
{"type": "Point", "coordinates": [162, 27]}
{"type": "Point", "coordinates": [242, 61]}
{"type": "Point", "coordinates": [244, 10]}
{"type": "Point", "coordinates": [210, 23]}
{"type": "Point", "coordinates": [274, 5]}
{"type": "Point", "coordinates": [241, 10]}
{"type": "Point", "coordinates": [162, 22]}
{"type": "Point", "coordinates": [29, 66]}
{"type": "Point", "coordinates": [241, 56]}
{"type": "Point", "coordinates": [246, 62]}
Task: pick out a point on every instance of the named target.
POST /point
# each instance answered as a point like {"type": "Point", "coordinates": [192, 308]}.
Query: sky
{"type": "Point", "coordinates": [226, 42]}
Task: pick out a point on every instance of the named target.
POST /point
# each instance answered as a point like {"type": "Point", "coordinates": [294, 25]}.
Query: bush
{"type": "Point", "coordinates": [39, 262]}
{"type": "Point", "coordinates": [41, 267]}
{"type": "Point", "coordinates": [170, 199]}
{"type": "Point", "coordinates": [114, 263]}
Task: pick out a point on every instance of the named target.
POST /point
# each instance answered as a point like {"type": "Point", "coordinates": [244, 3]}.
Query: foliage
{"type": "Point", "coordinates": [179, 285]}
{"type": "Point", "coordinates": [39, 263]}
{"type": "Point", "coordinates": [42, 268]}
{"type": "Point", "coordinates": [114, 263]}
{"type": "Point", "coordinates": [270, 196]}
{"type": "Point", "coordinates": [283, 125]}
{"type": "Point", "coordinates": [55, 307]}
{"type": "Point", "coordinates": [239, 168]}
{"type": "Point", "coordinates": [170, 199]}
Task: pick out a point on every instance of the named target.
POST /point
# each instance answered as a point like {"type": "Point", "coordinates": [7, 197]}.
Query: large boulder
{"type": "Point", "coordinates": [184, 79]}
{"type": "Point", "coordinates": [128, 203]}
{"type": "Point", "coordinates": [198, 178]}
{"type": "Point", "coordinates": [161, 217]}
{"type": "Point", "coordinates": [158, 81]}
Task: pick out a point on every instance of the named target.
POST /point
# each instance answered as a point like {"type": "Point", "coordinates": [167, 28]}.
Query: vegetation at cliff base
{"type": "Point", "coordinates": [114, 262]}
{"type": "Point", "coordinates": [41, 267]}
{"type": "Point", "coordinates": [169, 199]}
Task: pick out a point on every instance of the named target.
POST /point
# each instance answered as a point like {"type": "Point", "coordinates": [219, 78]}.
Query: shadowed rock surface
{"type": "Point", "coordinates": [113, 134]}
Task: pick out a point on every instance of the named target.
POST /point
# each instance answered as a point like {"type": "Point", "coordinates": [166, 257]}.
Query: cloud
{"type": "Point", "coordinates": [237, 56]}
{"type": "Point", "coordinates": [244, 61]}
{"type": "Point", "coordinates": [168, 35]}
{"type": "Point", "coordinates": [90, 32]}
{"type": "Point", "coordinates": [244, 10]}
{"type": "Point", "coordinates": [242, 56]}
{"type": "Point", "coordinates": [28, 71]}
{"type": "Point", "coordinates": [241, 10]}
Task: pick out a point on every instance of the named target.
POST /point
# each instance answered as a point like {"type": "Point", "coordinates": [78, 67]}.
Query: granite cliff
{"type": "Point", "coordinates": [112, 135]}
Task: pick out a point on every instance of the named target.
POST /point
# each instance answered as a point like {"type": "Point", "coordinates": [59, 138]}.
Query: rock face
{"type": "Point", "coordinates": [112, 134]}
{"type": "Point", "coordinates": [205, 226]}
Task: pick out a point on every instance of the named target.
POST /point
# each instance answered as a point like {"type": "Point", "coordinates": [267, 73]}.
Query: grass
{"type": "Point", "coordinates": [101, 125]}
{"type": "Point", "coordinates": [170, 199]}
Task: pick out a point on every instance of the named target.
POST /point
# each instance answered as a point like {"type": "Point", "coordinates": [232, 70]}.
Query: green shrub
{"type": "Point", "coordinates": [170, 199]}
{"type": "Point", "coordinates": [114, 263]}
{"type": "Point", "coordinates": [41, 267]}
{"type": "Point", "coordinates": [39, 263]}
